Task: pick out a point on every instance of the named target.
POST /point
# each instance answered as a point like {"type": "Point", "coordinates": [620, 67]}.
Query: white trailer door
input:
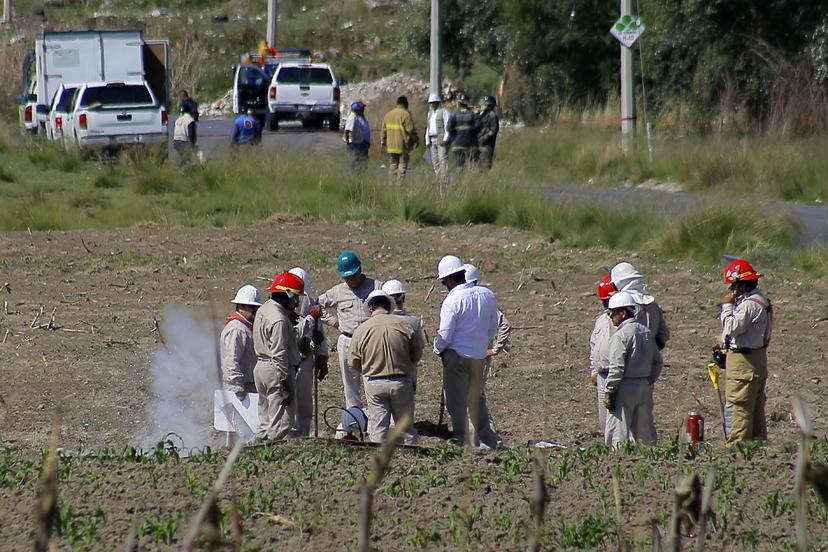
{"type": "Point", "coordinates": [123, 56]}
{"type": "Point", "coordinates": [69, 57]}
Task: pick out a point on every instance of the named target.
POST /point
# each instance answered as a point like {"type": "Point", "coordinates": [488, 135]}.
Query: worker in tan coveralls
{"type": "Point", "coordinates": [634, 366]}
{"type": "Point", "coordinates": [398, 137]}
{"type": "Point", "coordinates": [343, 307]}
{"type": "Point", "coordinates": [599, 348]}
{"type": "Point", "coordinates": [747, 325]}
{"type": "Point", "coordinates": [499, 344]}
{"type": "Point", "coordinates": [385, 350]}
{"type": "Point", "coordinates": [238, 357]}
{"type": "Point", "coordinates": [277, 353]}
{"type": "Point", "coordinates": [313, 348]}
{"type": "Point", "coordinates": [397, 291]}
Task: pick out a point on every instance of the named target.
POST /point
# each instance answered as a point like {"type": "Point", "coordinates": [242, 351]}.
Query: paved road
{"type": "Point", "coordinates": [813, 220]}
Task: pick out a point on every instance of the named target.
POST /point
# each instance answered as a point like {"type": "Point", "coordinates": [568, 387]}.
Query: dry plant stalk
{"type": "Point", "coordinates": [686, 509]}
{"type": "Point", "coordinates": [201, 516]}
{"type": "Point", "coordinates": [803, 419]}
{"type": "Point", "coordinates": [381, 461]}
{"type": "Point", "coordinates": [131, 544]}
{"type": "Point", "coordinates": [236, 530]}
{"type": "Point", "coordinates": [706, 507]}
{"type": "Point", "coordinates": [538, 501]}
{"type": "Point", "coordinates": [619, 518]}
{"type": "Point", "coordinates": [46, 506]}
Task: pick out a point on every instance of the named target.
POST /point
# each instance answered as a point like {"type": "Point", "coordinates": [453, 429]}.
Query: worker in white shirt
{"type": "Point", "coordinates": [437, 137]}
{"type": "Point", "coordinates": [468, 323]}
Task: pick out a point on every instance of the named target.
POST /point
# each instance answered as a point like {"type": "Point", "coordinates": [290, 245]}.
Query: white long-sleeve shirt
{"type": "Point", "coordinates": [633, 354]}
{"type": "Point", "coordinates": [431, 128]}
{"type": "Point", "coordinates": [599, 344]}
{"type": "Point", "coordinates": [746, 321]}
{"type": "Point", "coordinates": [468, 321]}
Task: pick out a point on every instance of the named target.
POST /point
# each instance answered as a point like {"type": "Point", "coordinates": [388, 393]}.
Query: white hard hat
{"type": "Point", "coordinates": [472, 274]}
{"type": "Point", "coordinates": [302, 273]}
{"type": "Point", "coordinates": [434, 97]}
{"type": "Point", "coordinates": [379, 295]}
{"type": "Point", "coordinates": [248, 295]}
{"type": "Point", "coordinates": [621, 299]}
{"type": "Point", "coordinates": [622, 272]}
{"type": "Point", "coordinates": [449, 265]}
{"type": "Point", "coordinates": [393, 287]}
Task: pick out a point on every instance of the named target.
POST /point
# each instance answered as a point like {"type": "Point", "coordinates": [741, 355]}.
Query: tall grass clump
{"type": "Point", "coordinates": [48, 155]}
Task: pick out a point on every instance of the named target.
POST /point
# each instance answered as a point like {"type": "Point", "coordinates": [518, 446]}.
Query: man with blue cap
{"type": "Point", "coordinates": [344, 307]}
{"type": "Point", "coordinates": [357, 135]}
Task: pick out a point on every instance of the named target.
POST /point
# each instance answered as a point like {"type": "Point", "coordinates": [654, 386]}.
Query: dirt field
{"type": "Point", "coordinates": [119, 282]}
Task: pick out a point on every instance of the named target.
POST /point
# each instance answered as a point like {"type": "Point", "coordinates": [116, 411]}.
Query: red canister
{"type": "Point", "coordinates": [694, 429]}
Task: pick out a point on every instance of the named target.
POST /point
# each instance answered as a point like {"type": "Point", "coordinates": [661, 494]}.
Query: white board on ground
{"type": "Point", "coordinates": [231, 414]}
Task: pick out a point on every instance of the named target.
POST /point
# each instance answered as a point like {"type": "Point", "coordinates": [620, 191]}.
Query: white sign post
{"type": "Point", "coordinates": [627, 30]}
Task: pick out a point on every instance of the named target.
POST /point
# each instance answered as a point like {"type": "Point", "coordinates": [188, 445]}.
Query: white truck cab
{"type": "Point", "coordinates": [61, 110]}
{"type": "Point", "coordinates": [307, 92]}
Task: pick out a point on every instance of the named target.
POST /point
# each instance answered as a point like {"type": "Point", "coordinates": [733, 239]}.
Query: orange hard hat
{"type": "Point", "coordinates": [287, 282]}
{"type": "Point", "coordinates": [606, 288]}
{"type": "Point", "coordinates": [740, 271]}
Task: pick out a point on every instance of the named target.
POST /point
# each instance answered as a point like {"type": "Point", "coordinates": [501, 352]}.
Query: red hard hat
{"type": "Point", "coordinates": [740, 271]}
{"type": "Point", "coordinates": [606, 288]}
{"type": "Point", "coordinates": [288, 282]}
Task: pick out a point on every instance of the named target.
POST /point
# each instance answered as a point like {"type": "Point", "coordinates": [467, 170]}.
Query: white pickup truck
{"type": "Point", "coordinates": [113, 114]}
{"type": "Point", "coordinates": [307, 92]}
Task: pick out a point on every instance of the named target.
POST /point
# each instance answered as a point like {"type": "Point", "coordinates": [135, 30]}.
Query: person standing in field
{"type": "Point", "coordinates": [246, 129]}
{"type": "Point", "coordinates": [747, 325]}
{"type": "Point", "coordinates": [185, 136]}
{"type": "Point", "coordinates": [399, 137]}
{"type": "Point", "coordinates": [188, 104]}
{"type": "Point", "coordinates": [277, 353]}
{"type": "Point", "coordinates": [357, 135]}
{"type": "Point", "coordinates": [238, 356]}
{"type": "Point", "coordinates": [468, 323]}
{"type": "Point", "coordinates": [437, 136]}
{"type": "Point", "coordinates": [343, 307]}
{"type": "Point", "coordinates": [634, 366]}
{"type": "Point", "coordinates": [489, 127]}
{"type": "Point", "coordinates": [599, 348]}
{"type": "Point", "coordinates": [462, 130]}
{"type": "Point", "coordinates": [385, 350]}
{"type": "Point", "coordinates": [396, 289]}
{"type": "Point", "coordinates": [313, 349]}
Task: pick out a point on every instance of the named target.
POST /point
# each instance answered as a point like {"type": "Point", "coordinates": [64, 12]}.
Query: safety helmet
{"type": "Point", "coordinates": [448, 266]}
{"type": "Point", "coordinates": [347, 264]}
{"type": "Point", "coordinates": [740, 271]}
{"type": "Point", "coordinates": [434, 97]}
{"type": "Point", "coordinates": [621, 299]}
{"type": "Point", "coordinates": [248, 295]}
{"type": "Point", "coordinates": [472, 274]}
{"type": "Point", "coordinates": [393, 287]}
{"type": "Point", "coordinates": [606, 288]}
{"type": "Point", "coordinates": [302, 273]}
{"type": "Point", "coordinates": [354, 421]}
{"type": "Point", "coordinates": [463, 99]}
{"type": "Point", "coordinates": [379, 296]}
{"type": "Point", "coordinates": [623, 272]}
{"type": "Point", "coordinates": [287, 283]}
{"type": "Point", "coordinates": [489, 101]}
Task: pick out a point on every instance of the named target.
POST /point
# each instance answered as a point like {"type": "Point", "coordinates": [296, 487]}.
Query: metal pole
{"type": "Point", "coordinates": [436, 49]}
{"type": "Point", "coordinates": [627, 90]}
{"type": "Point", "coordinates": [272, 14]}
{"type": "Point", "coordinates": [7, 11]}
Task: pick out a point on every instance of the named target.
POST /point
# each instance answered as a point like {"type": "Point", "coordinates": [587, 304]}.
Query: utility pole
{"type": "Point", "coordinates": [627, 90]}
{"type": "Point", "coordinates": [7, 11]}
{"type": "Point", "coordinates": [272, 15]}
{"type": "Point", "coordinates": [436, 49]}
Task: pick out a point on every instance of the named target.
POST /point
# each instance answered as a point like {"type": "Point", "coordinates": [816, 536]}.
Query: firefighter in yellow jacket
{"type": "Point", "coordinates": [399, 137]}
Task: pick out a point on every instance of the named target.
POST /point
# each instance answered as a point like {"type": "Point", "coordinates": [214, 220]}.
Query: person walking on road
{"type": "Point", "coordinates": [463, 129]}
{"type": "Point", "coordinates": [246, 129]}
{"type": "Point", "coordinates": [188, 104]}
{"type": "Point", "coordinates": [185, 136]}
{"type": "Point", "coordinates": [468, 323]}
{"type": "Point", "coordinates": [277, 352]}
{"type": "Point", "coordinates": [238, 356]}
{"type": "Point", "coordinates": [399, 137]}
{"type": "Point", "coordinates": [634, 366]}
{"type": "Point", "coordinates": [313, 349]}
{"type": "Point", "coordinates": [489, 126]}
{"type": "Point", "coordinates": [357, 135]}
{"type": "Point", "coordinates": [747, 325]}
{"type": "Point", "coordinates": [599, 348]}
{"type": "Point", "coordinates": [499, 344]}
{"type": "Point", "coordinates": [437, 136]}
{"type": "Point", "coordinates": [343, 307]}
{"type": "Point", "coordinates": [385, 350]}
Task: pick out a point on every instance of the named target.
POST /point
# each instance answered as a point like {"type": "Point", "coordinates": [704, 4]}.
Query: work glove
{"type": "Point", "coordinates": [609, 400]}
{"type": "Point", "coordinates": [241, 395]}
{"type": "Point", "coordinates": [321, 367]}
{"type": "Point", "coordinates": [316, 312]}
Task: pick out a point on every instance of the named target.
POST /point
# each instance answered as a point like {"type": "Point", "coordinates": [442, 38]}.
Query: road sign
{"type": "Point", "coordinates": [627, 30]}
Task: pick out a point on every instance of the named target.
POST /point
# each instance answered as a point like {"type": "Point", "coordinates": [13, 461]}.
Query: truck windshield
{"type": "Point", "coordinates": [304, 75]}
{"type": "Point", "coordinates": [65, 102]}
{"type": "Point", "coordinates": [127, 94]}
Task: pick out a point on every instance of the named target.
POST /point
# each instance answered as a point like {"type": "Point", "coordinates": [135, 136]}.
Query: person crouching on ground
{"type": "Point", "coordinates": [385, 349]}
{"type": "Point", "coordinates": [634, 366]}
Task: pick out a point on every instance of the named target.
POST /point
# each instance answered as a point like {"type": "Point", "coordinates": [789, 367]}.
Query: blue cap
{"type": "Point", "coordinates": [356, 106]}
{"type": "Point", "coordinates": [347, 264]}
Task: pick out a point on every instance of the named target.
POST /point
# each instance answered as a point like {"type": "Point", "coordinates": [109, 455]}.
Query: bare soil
{"type": "Point", "coordinates": [108, 288]}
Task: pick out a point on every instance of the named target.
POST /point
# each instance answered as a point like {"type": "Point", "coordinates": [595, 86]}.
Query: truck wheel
{"type": "Point", "coordinates": [334, 124]}
{"type": "Point", "coordinates": [271, 122]}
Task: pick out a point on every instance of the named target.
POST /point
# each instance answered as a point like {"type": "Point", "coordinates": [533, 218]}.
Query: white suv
{"type": "Point", "coordinates": [307, 92]}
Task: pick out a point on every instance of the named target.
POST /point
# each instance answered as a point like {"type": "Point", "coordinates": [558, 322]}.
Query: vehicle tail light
{"type": "Point", "coordinates": [272, 92]}
{"type": "Point", "coordinates": [27, 114]}
{"type": "Point", "coordinates": [165, 118]}
{"type": "Point", "coordinates": [82, 121]}
{"type": "Point", "coordinates": [336, 94]}
{"type": "Point", "coordinates": [59, 123]}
